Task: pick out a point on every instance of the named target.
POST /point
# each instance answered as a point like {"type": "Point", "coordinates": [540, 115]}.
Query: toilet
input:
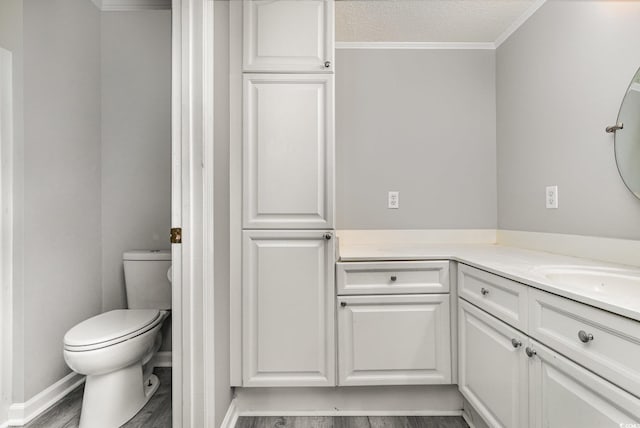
{"type": "Point", "coordinates": [115, 349]}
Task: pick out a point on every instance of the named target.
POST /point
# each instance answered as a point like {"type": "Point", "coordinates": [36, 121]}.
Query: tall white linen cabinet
{"type": "Point", "coordinates": [287, 239]}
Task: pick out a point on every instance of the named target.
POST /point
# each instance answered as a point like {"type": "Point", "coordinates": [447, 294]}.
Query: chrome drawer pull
{"type": "Point", "coordinates": [530, 352]}
{"type": "Point", "coordinates": [484, 291]}
{"type": "Point", "coordinates": [516, 343]}
{"type": "Point", "coordinates": [584, 336]}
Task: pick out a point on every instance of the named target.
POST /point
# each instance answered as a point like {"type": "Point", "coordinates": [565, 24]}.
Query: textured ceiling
{"type": "Point", "coordinates": [426, 20]}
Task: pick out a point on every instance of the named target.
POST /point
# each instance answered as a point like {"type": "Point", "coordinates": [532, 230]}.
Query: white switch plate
{"type": "Point", "coordinates": [394, 200]}
{"type": "Point", "coordinates": [551, 198]}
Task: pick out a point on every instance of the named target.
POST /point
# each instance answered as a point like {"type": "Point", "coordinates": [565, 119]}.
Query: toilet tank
{"type": "Point", "coordinates": [146, 280]}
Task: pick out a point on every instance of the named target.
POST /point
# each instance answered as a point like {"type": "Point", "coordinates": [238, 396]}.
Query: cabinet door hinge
{"type": "Point", "coordinates": [176, 235]}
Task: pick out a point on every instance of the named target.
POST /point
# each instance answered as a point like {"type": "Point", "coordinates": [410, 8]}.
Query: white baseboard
{"type": "Point", "coordinates": [23, 413]}
{"type": "Point", "coordinates": [351, 413]}
{"type": "Point", "coordinates": [231, 417]}
{"type": "Point", "coordinates": [162, 359]}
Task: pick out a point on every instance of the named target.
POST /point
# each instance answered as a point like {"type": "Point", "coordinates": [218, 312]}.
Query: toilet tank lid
{"type": "Point", "coordinates": [147, 255]}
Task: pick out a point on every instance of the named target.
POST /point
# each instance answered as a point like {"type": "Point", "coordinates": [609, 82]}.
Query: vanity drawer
{"type": "Point", "coordinates": [355, 278]}
{"type": "Point", "coordinates": [501, 297]}
{"type": "Point", "coordinates": [603, 342]}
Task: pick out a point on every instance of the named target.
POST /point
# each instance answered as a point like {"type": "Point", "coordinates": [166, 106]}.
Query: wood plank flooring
{"type": "Point", "coordinates": [156, 414]}
{"type": "Point", "coordinates": [352, 422]}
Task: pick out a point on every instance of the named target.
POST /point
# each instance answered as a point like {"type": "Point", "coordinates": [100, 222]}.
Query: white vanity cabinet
{"type": "Point", "coordinates": [563, 394]}
{"type": "Point", "coordinates": [288, 309]}
{"type": "Point", "coordinates": [517, 374]}
{"type": "Point", "coordinates": [394, 340]}
{"type": "Point", "coordinates": [289, 36]}
{"type": "Point", "coordinates": [394, 323]}
{"type": "Point", "coordinates": [288, 151]}
{"type": "Point", "coordinates": [492, 367]}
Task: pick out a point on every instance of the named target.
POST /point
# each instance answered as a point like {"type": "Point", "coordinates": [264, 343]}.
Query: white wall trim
{"type": "Point", "coordinates": [519, 22]}
{"type": "Point", "coordinates": [6, 231]}
{"type": "Point", "coordinates": [416, 237]}
{"type": "Point", "coordinates": [349, 413]}
{"type": "Point", "coordinates": [231, 417]}
{"type": "Point", "coordinates": [162, 359]}
{"type": "Point", "coordinates": [416, 45]}
{"type": "Point", "coordinates": [624, 251]}
{"type": "Point", "coordinates": [132, 5]}
{"type": "Point", "coordinates": [22, 413]}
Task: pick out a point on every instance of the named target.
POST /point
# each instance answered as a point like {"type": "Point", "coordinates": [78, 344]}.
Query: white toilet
{"type": "Point", "coordinates": [115, 349]}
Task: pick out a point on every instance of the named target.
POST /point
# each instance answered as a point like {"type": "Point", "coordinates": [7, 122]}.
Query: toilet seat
{"type": "Point", "coordinates": [111, 328]}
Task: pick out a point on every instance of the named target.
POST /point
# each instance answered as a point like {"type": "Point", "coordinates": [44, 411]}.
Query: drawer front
{"type": "Point", "coordinates": [603, 342]}
{"type": "Point", "coordinates": [356, 278]}
{"type": "Point", "coordinates": [501, 297]}
{"type": "Point", "coordinates": [394, 340]}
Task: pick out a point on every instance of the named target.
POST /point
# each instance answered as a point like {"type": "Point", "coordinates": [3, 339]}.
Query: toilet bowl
{"type": "Point", "coordinates": [114, 350]}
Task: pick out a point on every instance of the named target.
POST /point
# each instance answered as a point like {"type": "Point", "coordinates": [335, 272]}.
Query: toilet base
{"type": "Point", "coordinates": [110, 400]}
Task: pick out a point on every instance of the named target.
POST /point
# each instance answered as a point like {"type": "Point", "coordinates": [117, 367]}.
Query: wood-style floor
{"type": "Point", "coordinates": [352, 422]}
{"type": "Point", "coordinates": [156, 414]}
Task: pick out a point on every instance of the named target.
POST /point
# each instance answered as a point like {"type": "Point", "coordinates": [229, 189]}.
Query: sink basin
{"type": "Point", "coordinates": [602, 281]}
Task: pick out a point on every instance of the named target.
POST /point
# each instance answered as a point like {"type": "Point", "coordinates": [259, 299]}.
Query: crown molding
{"type": "Point", "coordinates": [131, 5]}
{"type": "Point", "coordinates": [519, 22]}
{"type": "Point", "coordinates": [416, 45]}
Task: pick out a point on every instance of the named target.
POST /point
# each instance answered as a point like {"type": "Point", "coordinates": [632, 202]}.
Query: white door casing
{"type": "Point", "coordinates": [288, 151]}
{"type": "Point", "coordinates": [288, 36]}
{"type": "Point", "coordinates": [288, 311]}
{"type": "Point", "coordinates": [394, 340]}
{"type": "Point", "coordinates": [492, 370]}
{"type": "Point", "coordinates": [6, 231]}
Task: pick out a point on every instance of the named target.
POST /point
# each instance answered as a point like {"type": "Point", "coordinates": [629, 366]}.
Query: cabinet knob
{"type": "Point", "coordinates": [394, 278]}
{"type": "Point", "coordinates": [327, 236]}
{"type": "Point", "coordinates": [484, 291]}
{"type": "Point", "coordinates": [327, 64]}
{"type": "Point", "coordinates": [584, 336]}
{"type": "Point", "coordinates": [530, 352]}
{"type": "Point", "coordinates": [343, 304]}
{"type": "Point", "coordinates": [516, 343]}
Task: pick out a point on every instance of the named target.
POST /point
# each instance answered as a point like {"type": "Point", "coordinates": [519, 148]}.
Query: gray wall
{"type": "Point", "coordinates": [136, 141]}
{"type": "Point", "coordinates": [560, 80]}
{"type": "Point", "coordinates": [421, 122]}
{"type": "Point", "coordinates": [62, 272]}
{"type": "Point", "coordinates": [221, 215]}
{"type": "Point", "coordinates": [11, 39]}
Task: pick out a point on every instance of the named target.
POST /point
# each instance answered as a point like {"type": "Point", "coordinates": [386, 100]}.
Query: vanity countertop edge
{"type": "Point", "coordinates": [513, 263]}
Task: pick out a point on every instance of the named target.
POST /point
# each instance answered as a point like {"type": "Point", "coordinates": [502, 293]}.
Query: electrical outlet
{"type": "Point", "coordinates": [394, 200]}
{"type": "Point", "coordinates": [551, 198]}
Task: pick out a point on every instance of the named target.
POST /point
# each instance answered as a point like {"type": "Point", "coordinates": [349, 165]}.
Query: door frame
{"type": "Point", "coordinates": [6, 232]}
{"type": "Point", "coordinates": [193, 382]}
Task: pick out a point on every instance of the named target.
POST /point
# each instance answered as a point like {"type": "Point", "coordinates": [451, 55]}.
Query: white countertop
{"type": "Point", "coordinates": [514, 263]}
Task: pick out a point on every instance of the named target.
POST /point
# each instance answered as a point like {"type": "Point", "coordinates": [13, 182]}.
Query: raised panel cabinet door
{"type": "Point", "coordinates": [564, 394]}
{"type": "Point", "coordinates": [288, 151]}
{"type": "Point", "coordinates": [492, 367]}
{"type": "Point", "coordinates": [287, 308]}
{"type": "Point", "coordinates": [394, 340]}
{"type": "Point", "coordinates": [288, 36]}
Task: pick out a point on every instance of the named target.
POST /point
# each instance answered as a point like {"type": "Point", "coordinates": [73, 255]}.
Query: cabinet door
{"type": "Point", "coordinates": [394, 340]}
{"type": "Point", "coordinates": [288, 35]}
{"type": "Point", "coordinates": [492, 370]}
{"type": "Point", "coordinates": [288, 311]}
{"type": "Point", "coordinates": [563, 394]}
{"type": "Point", "coordinates": [288, 152]}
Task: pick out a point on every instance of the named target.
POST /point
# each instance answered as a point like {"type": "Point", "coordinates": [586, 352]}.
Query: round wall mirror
{"type": "Point", "coordinates": [627, 139]}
